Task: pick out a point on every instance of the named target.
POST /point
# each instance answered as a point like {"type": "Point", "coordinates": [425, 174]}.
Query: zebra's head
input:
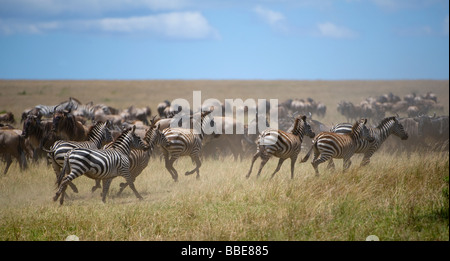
{"type": "Point", "coordinates": [154, 136]}
{"type": "Point", "coordinates": [399, 130]}
{"type": "Point", "coordinates": [360, 130]}
{"type": "Point", "coordinates": [301, 125]}
{"type": "Point", "coordinates": [136, 141]}
{"type": "Point", "coordinates": [206, 123]}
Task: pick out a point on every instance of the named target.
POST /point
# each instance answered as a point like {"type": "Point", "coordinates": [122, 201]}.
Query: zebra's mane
{"type": "Point", "coordinates": [97, 126]}
{"type": "Point", "coordinates": [355, 127]}
{"type": "Point", "coordinates": [385, 120]}
{"type": "Point", "coordinates": [296, 129]}
{"type": "Point", "coordinates": [120, 138]}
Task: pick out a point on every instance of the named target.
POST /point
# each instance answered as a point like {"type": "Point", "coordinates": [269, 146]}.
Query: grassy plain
{"type": "Point", "coordinates": [396, 197]}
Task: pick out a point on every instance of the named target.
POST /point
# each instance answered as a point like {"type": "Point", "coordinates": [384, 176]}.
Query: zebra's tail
{"type": "Point", "coordinates": [62, 173]}
{"type": "Point", "coordinates": [307, 155]}
{"type": "Point", "coordinates": [51, 152]}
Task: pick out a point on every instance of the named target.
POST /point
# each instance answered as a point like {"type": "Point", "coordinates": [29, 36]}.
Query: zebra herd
{"type": "Point", "coordinates": [102, 158]}
{"type": "Point", "coordinates": [116, 158]}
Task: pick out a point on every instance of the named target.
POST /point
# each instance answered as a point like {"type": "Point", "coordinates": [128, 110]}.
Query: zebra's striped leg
{"type": "Point", "coordinates": [331, 164]}
{"type": "Point", "coordinates": [293, 160]}
{"type": "Point", "coordinates": [280, 162]}
{"type": "Point", "coordinates": [105, 185]}
{"type": "Point", "coordinates": [96, 186]}
{"type": "Point", "coordinates": [122, 187]}
{"type": "Point", "coordinates": [171, 168]}
{"type": "Point", "coordinates": [261, 166]}
{"type": "Point", "coordinates": [366, 159]}
{"type": "Point", "coordinates": [347, 164]}
{"type": "Point", "coordinates": [316, 162]}
{"type": "Point", "coordinates": [253, 161]}
{"type": "Point", "coordinates": [198, 163]}
{"type": "Point", "coordinates": [73, 187]}
{"type": "Point", "coordinates": [61, 192]}
{"type": "Point", "coordinates": [63, 186]}
{"type": "Point", "coordinates": [131, 185]}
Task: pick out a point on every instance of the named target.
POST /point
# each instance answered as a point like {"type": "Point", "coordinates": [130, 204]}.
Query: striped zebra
{"type": "Point", "coordinates": [185, 142]}
{"type": "Point", "coordinates": [281, 144]}
{"type": "Point", "coordinates": [48, 110]}
{"type": "Point", "coordinates": [98, 134]}
{"type": "Point", "coordinates": [387, 126]}
{"type": "Point", "coordinates": [139, 158]}
{"type": "Point", "coordinates": [329, 145]}
{"type": "Point", "coordinates": [101, 164]}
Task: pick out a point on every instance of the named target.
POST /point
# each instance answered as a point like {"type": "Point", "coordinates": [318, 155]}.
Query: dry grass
{"type": "Point", "coordinates": [395, 199]}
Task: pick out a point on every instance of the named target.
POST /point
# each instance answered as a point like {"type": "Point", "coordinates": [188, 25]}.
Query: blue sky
{"type": "Point", "coordinates": [217, 39]}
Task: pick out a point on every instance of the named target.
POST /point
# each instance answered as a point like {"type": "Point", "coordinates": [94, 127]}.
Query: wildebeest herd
{"type": "Point", "coordinates": [102, 142]}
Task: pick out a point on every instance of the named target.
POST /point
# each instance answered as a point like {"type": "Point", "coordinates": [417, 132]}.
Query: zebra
{"type": "Point", "coordinates": [329, 145]}
{"type": "Point", "coordinates": [48, 110]}
{"type": "Point", "coordinates": [387, 126]}
{"type": "Point", "coordinates": [101, 164]}
{"type": "Point", "coordinates": [184, 142]}
{"type": "Point", "coordinates": [139, 158]}
{"type": "Point", "coordinates": [281, 144]}
{"type": "Point", "coordinates": [98, 134]}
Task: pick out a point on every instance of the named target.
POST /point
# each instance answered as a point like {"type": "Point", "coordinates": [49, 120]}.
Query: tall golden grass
{"type": "Point", "coordinates": [394, 198]}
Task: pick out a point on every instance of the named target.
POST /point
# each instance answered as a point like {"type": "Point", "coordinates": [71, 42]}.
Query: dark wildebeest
{"type": "Point", "coordinates": [7, 117]}
{"type": "Point", "coordinates": [12, 144]}
{"type": "Point", "coordinates": [67, 127]}
{"type": "Point", "coordinates": [38, 134]}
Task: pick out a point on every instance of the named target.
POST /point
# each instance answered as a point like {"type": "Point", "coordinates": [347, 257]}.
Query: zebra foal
{"type": "Point", "coordinates": [281, 144]}
{"type": "Point", "coordinates": [101, 164]}
{"type": "Point", "coordinates": [330, 145]}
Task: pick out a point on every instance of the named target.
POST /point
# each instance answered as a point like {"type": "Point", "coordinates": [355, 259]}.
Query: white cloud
{"type": "Point", "coordinates": [186, 25]}
{"type": "Point", "coordinates": [174, 25]}
{"type": "Point", "coordinates": [333, 31]}
{"type": "Point", "coordinates": [416, 31]}
{"type": "Point", "coordinates": [275, 19]}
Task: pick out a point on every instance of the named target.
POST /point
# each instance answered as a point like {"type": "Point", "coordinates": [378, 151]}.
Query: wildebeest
{"type": "Point", "coordinates": [434, 130]}
{"type": "Point", "coordinates": [7, 117]}
{"type": "Point", "coordinates": [12, 144]}
{"type": "Point", "coordinates": [67, 127]}
{"type": "Point", "coordinates": [38, 134]}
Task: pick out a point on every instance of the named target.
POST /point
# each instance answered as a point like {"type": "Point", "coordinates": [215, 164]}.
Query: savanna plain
{"type": "Point", "coordinates": [397, 197]}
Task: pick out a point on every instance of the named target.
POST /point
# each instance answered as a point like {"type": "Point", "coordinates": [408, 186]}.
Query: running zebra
{"type": "Point", "coordinates": [185, 142]}
{"type": "Point", "coordinates": [329, 145]}
{"type": "Point", "coordinates": [139, 158]}
{"type": "Point", "coordinates": [101, 164]}
{"type": "Point", "coordinates": [387, 126]}
{"type": "Point", "coordinates": [281, 144]}
{"type": "Point", "coordinates": [98, 134]}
